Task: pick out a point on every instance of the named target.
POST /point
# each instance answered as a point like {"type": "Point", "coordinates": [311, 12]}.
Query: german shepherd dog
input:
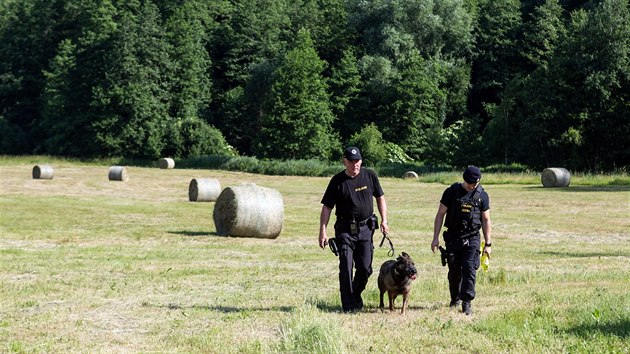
{"type": "Point", "coordinates": [395, 278]}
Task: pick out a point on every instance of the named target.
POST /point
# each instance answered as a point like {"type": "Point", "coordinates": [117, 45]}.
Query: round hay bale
{"type": "Point", "coordinates": [555, 177]}
{"type": "Point", "coordinates": [118, 173]}
{"type": "Point", "coordinates": [43, 172]}
{"type": "Point", "coordinates": [203, 190]}
{"type": "Point", "coordinates": [410, 174]}
{"type": "Point", "coordinates": [248, 210]}
{"type": "Point", "coordinates": [166, 163]}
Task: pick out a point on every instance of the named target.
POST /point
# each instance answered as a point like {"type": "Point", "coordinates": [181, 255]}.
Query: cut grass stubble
{"type": "Point", "coordinates": [94, 265]}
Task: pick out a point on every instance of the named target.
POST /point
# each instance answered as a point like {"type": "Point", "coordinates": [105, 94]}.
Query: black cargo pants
{"type": "Point", "coordinates": [358, 251]}
{"type": "Point", "coordinates": [463, 262]}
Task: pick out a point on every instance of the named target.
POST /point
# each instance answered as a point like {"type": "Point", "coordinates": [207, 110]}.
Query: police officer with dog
{"type": "Point", "coordinates": [466, 208]}
{"type": "Point", "coordinates": [351, 192]}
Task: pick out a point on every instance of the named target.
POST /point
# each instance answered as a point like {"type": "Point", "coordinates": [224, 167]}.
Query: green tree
{"type": "Point", "coordinates": [131, 106]}
{"type": "Point", "coordinates": [65, 125]}
{"type": "Point", "coordinates": [244, 108]}
{"type": "Point", "coordinates": [419, 105]}
{"type": "Point", "coordinates": [327, 22]}
{"type": "Point", "coordinates": [542, 33]}
{"type": "Point", "coordinates": [189, 76]}
{"type": "Point", "coordinates": [249, 32]}
{"type": "Point", "coordinates": [591, 75]}
{"type": "Point", "coordinates": [572, 111]}
{"type": "Point", "coordinates": [346, 89]}
{"type": "Point", "coordinates": [426, 40]}
{"type": "Point", "coordinates": [496, 53]}
{"type": "Point", "coordinates": [371, 143]}
{"type": "Point", "coordinates": [505, 138]}
{"type": "Point", "coordinates": [62, 128]}
{"type": "Point", "coordinates": [436, 28]}
{"type": "Point", "coordinates": [191, 62]}
{"type": "Point", "coordinates": [249, 35]}
{"type": "Point", "coordinates": [29, 35]}
{"type": "Point", "coordinates": [297, 120]}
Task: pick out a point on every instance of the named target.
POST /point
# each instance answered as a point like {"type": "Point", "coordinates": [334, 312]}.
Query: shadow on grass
{"type": "Point", "coordinates": [224, 309]}
{"type": "Point", "coordinates": [570, 189]}
{"type": "Point", "coordinates": [321, 306]}
{"type": "Point", "coordinates": [620, 329]}
{"type": "Point", "coordinates": [583, 255]}
{"type": "Point", "coordinates": [326, 307]}
{"type": "Point", "coordinates": [194, 233]}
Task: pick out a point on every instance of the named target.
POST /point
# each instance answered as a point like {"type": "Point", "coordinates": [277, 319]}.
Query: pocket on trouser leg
{"type": "Point", "coordinates": [452, 260]}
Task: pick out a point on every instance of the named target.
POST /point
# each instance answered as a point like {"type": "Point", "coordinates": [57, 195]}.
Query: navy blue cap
{"type": "Point", "coordinates": [472, 174]}
{"type": "Point", "coordinates": [352, 153]}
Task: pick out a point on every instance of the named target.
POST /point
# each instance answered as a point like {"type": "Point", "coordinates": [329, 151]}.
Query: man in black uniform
{"type": "Point", "coordinates": [351, 191]}
{"type": "Point", "coordinates": [467, 209]}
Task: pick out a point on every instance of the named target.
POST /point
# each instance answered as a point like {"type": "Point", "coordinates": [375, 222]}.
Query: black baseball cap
{"type": "Point", "coordinates": [352, 153]}
{"type": "Point", "coordinates": [472, 174]}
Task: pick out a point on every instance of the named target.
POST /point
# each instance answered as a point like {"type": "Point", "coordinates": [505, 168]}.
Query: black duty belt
{"type": "Point", "coordinates": [464, 236]}
{"type": "Point", "coordinates": [361, 223]}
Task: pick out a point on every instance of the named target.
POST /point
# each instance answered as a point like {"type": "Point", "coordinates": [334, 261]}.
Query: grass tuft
{"type": "Point", "coordinates": [307, 331]}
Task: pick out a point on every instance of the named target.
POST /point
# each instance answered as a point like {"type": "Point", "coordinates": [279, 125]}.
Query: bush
{"type": "Point", "coordinates": [396, 154]}
{"type": "Point", "coordinates": [509, 168]}
{"type": "Point", "coordinates": [199, 139]}
{"type": "Point", "coordinates": [243, 164]}
{"type": "Point", "coordinates": [370, 141]}
{"type": "Point", "coordinates": [249, 164]}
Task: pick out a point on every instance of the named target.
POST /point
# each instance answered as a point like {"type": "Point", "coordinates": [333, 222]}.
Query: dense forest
{"type": "Point", "coordinates": [441, 82]}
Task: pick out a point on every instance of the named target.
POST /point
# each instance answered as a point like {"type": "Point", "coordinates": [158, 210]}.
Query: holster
{"type": "Point", "coordinates": [372, 222]}
{"type": "Point", "coordinates": [443, 256]}
{"type": "Point", "coordinates": [332, 243]}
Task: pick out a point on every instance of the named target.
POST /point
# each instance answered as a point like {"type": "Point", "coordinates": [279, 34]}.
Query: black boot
{"type": "Point", "coordinates": [455, 302]}
{"type": "Point", "coordinates": [467, 308]}
{"type": "Point", "coordinates": [358, 302]}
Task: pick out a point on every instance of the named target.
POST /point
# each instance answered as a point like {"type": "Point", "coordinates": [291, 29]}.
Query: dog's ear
{"type": "Point", "coordinates": [404, 254]}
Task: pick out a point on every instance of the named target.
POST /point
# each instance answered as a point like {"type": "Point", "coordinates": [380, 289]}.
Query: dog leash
{"type": "Point", "coordinates": [391, 251]}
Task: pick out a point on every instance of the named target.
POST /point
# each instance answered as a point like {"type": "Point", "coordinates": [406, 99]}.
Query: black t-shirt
{"type": "Point", "coordinates": [353, 196]}
{"type": "Point", "coordinates": [457, 191]}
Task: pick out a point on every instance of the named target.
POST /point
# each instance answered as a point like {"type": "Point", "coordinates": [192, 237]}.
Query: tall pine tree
{"type": "Point", "coordinates": [297, 119]}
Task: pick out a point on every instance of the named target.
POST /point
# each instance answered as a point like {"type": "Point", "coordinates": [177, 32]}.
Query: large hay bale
{"type": "Point", "coordinates": [166, 163]}
{"type": "Point", "coordinates": [555, 177]}
{"type": "Point", "coordinates": [248, 210]}
{"type": "Point", "coordinates": [204, 190]}
{"type": "Point", "coordinates": [118, 173]}
{"type": "Point", "coordinates": [43, 172]}
{"type": "Point", "coordinates": [410, 174]}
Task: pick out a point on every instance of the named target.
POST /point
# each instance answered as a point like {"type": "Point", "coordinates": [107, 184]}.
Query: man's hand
{"type": "Point", "coordinates": [435, 244]}
{"type": "Point", "coordinates": [385, 227]}
{"type": "Point", "coordinates": [323, 240]}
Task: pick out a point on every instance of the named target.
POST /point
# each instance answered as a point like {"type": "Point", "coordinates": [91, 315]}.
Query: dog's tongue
{"type": "Point", "coordinates": [413, 277]}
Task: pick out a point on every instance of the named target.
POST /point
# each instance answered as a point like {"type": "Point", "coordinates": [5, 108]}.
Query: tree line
{"type": "Point", "coordinates": [442, 82]}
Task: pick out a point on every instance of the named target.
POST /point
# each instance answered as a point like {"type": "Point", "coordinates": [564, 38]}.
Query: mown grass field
{"type": "Point", "coordinates": [89, 265]}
